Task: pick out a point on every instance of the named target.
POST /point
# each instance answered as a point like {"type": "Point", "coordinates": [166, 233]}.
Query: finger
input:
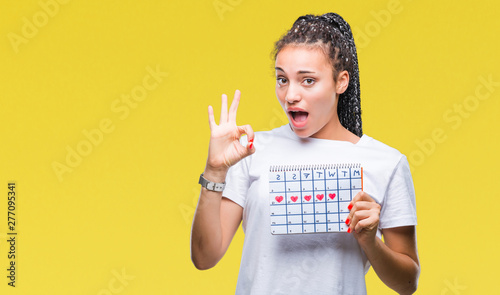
{"type": "Point", "coordinates": [364, 205]}
{"type": "Point", "coordinates": [363, 196]}
{"type": "Point", "coordinates": [357, 216]}
{"type": "Point", "coordinates": [234, 106]}
{"type": "Point", "coordinates": [369, 223]}
{"type": "Point", "coordinates": [360, 196]}
{"type": "Point", "coordinates": [247, 129]}
{"type": "Point", "coordinates": [211, 119]}
{"type": "Point", "coordinates": [223, 110]}
{"type": "Point", "coordinates": [361, 206]}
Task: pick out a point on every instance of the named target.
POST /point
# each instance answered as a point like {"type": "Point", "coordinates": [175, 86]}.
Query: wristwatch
{"type": "Point", "coordinates": [211, 186]}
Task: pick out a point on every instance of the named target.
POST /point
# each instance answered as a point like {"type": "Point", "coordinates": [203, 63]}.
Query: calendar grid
{"type": "Point", "coordinates": [286, 209]}
{"type": "Point", "coordinates": [312, 198]}
{"type": "Point", "coordinates": [301, 204]}
{"type": "Point", "coordinates": [326, 199]}
{"type": "Point", "coordinates": [314, 204]}
{"type": "Point", "coordinates": [338, 203]}
{"type": "Point", "coordinates": [350, 183]}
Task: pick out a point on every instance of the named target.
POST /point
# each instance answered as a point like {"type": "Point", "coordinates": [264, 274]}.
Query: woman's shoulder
{"type": "Point", "coordinates": [377, 144]}
{"type": "Point", "coordinates": [382, 159]}
{"type": "Point", "coordinates": [379, 148]}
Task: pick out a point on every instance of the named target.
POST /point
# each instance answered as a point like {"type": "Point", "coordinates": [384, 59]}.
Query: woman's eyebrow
{"type": "Point", "coordinates": [299, 72]}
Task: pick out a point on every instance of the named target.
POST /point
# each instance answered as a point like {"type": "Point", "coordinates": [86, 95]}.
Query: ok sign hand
{"type": "Point", "coordinates": [225, 149]}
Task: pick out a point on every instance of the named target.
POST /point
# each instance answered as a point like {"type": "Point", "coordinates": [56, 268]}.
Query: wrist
{"type": "Point", "coordinates": [215, 174]}
{"type": "Point", "coordinates": [370, 245]}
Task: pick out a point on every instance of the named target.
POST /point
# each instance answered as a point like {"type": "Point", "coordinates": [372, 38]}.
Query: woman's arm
{"type": "Point", "coordinates": [395, 261]}
{"type": "Point", "coordinates": [215, 222]}
{"type": "Point", "coordinates": [216, 219]}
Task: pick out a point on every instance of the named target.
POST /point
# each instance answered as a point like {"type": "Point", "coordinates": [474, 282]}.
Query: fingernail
{"type": "Point", "coordinates": [349, 230]}
{"type": "Point", "coordinates": [250, 145]}
{"type": "Point", "coordinates": [251, 140]}
{"type": "Point", "coordinates": [349, 207]}
{"type": "Point", "coordinates": [347, 221]}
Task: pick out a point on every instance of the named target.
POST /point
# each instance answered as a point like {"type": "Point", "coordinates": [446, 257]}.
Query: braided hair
{"type": "Point", "coordinates": [333, 35]}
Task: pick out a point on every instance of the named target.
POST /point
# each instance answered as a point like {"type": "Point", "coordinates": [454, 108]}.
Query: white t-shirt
{"type": "Point", "coordinates": [317, 263]}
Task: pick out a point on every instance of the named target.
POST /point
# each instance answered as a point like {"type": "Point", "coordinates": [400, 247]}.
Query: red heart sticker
{"type": "Point", "coordinates": [307, 198]}
{"type": "Point", "coordinates": [279, 199]}
{"type": "Point", "coordinates": [294, 198]}
{"type": "Point", "coordinates": [332, 196]}
{"type": "Point", "coordinates": [320, 197]}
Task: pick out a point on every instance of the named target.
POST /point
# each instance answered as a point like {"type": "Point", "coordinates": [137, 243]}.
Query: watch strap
{"type": "Point", "coordinates": [210, 185]}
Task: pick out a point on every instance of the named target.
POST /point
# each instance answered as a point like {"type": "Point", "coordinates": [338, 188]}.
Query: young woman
{"type": "Point", "coordinates": [317, 84]}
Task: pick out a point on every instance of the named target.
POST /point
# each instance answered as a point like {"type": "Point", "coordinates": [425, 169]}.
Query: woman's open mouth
{"type": "Point", "coordinates": [298, 118]}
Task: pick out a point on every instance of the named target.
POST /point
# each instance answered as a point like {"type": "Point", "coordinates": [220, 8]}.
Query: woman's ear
{"type": "Point", "coordinates": [342, 82]}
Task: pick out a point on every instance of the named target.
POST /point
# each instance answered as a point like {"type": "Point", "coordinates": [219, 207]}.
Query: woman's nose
{"type": "Point", "coordinates": [292, 95]}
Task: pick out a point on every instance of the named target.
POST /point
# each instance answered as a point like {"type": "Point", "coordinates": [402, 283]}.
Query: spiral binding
{"type": "Point", "coordinates": [298, 167]}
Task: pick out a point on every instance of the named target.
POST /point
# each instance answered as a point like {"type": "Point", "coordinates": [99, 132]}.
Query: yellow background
{"type": "Point", "coordinates": [128, 205]}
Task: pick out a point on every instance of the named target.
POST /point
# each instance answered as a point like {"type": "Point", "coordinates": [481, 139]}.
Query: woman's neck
{"type": "Point", "coordinates": [336, 132]}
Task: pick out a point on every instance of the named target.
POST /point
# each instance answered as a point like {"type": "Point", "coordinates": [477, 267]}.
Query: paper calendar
{"type": "Point", "coordinates": [312, 198]}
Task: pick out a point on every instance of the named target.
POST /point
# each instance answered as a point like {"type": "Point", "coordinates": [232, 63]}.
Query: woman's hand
{"type": "Point", "coordinates": [395, 261]}
{"type": "Point", "coordinates": [225, 149]}
{"type": "Point", "coordinates": [363, 218]}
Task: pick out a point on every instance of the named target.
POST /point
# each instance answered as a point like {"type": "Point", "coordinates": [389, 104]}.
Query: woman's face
{"type": "Point", "coordinates": [306, 91]}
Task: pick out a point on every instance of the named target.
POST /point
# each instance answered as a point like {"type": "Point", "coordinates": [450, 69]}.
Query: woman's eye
{"type": "Point", "coordinates": [281, 80]}
{"type": "Point", "coordinates": [309, 81]}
